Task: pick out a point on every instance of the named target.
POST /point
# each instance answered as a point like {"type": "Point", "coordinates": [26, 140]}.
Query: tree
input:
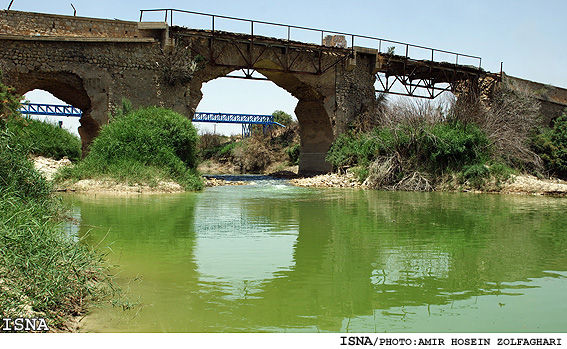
{"type": "Point", "coordinates": [282, 117]}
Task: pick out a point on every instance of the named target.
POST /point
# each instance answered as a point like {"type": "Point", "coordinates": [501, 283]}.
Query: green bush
{"type": "Point", "coordinates": [351, 149]}
{"type": "Point", "coordinates": [551, 146]}
{"type": "Point", "coordinates": [486, 177]}
{"type": "Point", "coordinates": [293, 153]}
{"type": "Point", "coordinates": [45, 139]}
{"type": "Point", "coordinates": [451, 146]}
{"type": "Point", "coordinates": [142, 144]}
{"type": "Point", "coordinates": [434, 148]}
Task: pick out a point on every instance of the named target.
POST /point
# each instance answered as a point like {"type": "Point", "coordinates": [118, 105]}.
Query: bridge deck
{"type": "Point", "coordinates": [432, 76]}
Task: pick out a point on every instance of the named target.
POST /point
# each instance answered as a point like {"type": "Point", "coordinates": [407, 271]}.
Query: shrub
{"type": "Point", "coordinates": [141, 144]}
{"type": "Point", "coordinates": [45, 139]}
{"type": "Point", "coordinates": [293, 153]}
{"type": "Point", "coordinates": [476, 174]}
{"type": "Point", "coordinates": [551, 146]}
{"type": "Point", "coordinates": [351, 148]}
{"type": "Point", "coordinates": [435, 148]}
{"type": "Point", "coordinates": [451, 146]}
{"type": "Point", "coordinates": [253, 154]}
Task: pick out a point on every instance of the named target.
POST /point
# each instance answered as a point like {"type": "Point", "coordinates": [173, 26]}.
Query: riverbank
{"type": "Point", "coordinates": [516, 184]}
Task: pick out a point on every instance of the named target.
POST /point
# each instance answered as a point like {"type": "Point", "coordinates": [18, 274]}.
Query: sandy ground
{"type": "Point", "coordinates": [521, 184]}
{"type": "Point", "coordinates": [48, 167]}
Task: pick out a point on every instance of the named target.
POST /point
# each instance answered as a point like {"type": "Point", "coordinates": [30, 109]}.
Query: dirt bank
{"type": "Point", "coordinates": [517, 184]}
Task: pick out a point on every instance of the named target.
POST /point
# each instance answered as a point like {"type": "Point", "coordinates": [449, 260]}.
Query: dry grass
{"type": "Point", "coordinates": [508, 123]}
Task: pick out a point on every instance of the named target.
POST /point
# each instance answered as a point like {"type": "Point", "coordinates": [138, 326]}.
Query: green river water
{"type": "Point", "coordinates": [270, 257]}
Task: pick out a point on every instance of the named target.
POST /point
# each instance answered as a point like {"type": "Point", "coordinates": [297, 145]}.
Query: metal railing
{"type": "Point", "coordinates": [380, 43]}
{"type": "Point", "coordinates": [253, 119]}
{"type": "Point", "coordinates": [247, 120]}
{"type": "Point", "coordinates": [50, 109]}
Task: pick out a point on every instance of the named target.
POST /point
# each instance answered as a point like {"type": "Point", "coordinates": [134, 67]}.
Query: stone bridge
{"type": "Point", "coordinates": [94, 63]}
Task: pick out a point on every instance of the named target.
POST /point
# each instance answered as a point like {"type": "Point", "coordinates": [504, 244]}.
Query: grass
{"type": "Point", "coordinates": [43, 271]}
{"type": "Point", "coordinates": [143, 146]}
{"type": "Point", "coordinates": [45, 139]}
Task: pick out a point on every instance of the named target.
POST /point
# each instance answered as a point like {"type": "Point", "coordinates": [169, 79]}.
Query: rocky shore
{"type": "Point", "coordinates": [331, 180]}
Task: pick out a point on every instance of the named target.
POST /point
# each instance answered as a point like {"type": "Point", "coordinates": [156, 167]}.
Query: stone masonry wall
{"type": "Point", "coordinates": [29, 23]}
{"type": "Point", "coordinates": [355, 93]}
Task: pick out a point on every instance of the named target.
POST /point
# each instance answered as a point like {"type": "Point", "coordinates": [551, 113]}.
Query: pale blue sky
{"type": "Point", "coordinates": [528, 36]}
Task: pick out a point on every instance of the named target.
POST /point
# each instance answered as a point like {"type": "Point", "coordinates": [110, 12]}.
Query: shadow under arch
{"type": "Point", "coordinates": [69, 88]}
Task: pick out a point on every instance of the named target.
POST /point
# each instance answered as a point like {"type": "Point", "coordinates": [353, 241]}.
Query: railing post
{"type": "Point", "coordinates": [141, 14]}
{"type": "Point", "coordinates": [213, 23]}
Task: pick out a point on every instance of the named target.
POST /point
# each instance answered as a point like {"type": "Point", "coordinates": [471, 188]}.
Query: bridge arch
{"type": "Point", "coordinates": [65, 86]}
{"type": "Point", "coordinates": [313, 110]}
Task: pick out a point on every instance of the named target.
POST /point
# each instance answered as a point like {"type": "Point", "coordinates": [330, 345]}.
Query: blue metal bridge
{"type": "Point", "coordinates": [50, 110]}
{"type": "Point", "coordinates": [247, 120]}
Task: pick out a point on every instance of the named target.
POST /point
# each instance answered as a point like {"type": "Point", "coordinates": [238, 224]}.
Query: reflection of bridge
{"type": "Point", "coordinates": [247, 120]}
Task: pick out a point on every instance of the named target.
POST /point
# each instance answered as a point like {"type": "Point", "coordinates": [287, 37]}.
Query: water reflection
{"type": "Point", "coordinates": [270, 257]}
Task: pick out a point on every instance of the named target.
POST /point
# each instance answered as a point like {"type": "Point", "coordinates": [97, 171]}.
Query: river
{"type": "Point", "coordinates": [270, 257]}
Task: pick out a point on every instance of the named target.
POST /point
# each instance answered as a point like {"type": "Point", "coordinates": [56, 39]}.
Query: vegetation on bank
{"type": "Point", "coordinates": [45, 139]}
{"type": "Point", "coordinates": [551, 145]}
{"type": "Point", "coordinates": [461, 145]}
{"type": "Point", "coordinates": [276, 149]}
{"type": "Point", "coordinates": [44, 272]}
{"type": "Point", "coordinates": [143, 146]}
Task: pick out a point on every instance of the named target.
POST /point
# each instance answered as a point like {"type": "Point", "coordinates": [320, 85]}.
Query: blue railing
{"type": "Point", "coordinates": [50, 109]}
{"type": "Point", "coordinates": [235, 118]}
{"type": "Point", "coordinates": [246, 120]}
